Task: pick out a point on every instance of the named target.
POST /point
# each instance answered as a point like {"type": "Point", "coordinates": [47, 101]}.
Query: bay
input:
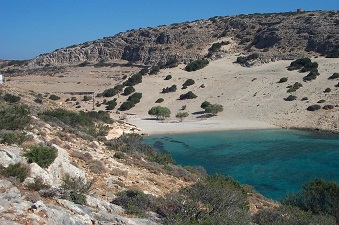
{"type": "Point", "coordinates": [274, 162]}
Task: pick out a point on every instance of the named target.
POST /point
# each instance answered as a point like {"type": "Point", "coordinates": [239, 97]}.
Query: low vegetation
{"type": "Point", "coordinates": [290, 98]}
{"type": "Point", "coordinates": [196, 65]}
{"type": "Point", "coordinates": [133, 80]}
{"type": "Point", "coordinates": [75, 189]}
{"type": "Point", "coordinates": [131, 101]}
{"type": "Point", "coordinates": [160, 112]}
{"type": "Point", "coordinates": [159, 100]}
{"type": "Point", "coordinates": [312, 75]}
{"type": "Point", "coordinates": [214, 109]}
{"type": "Point", "coordinates": [283, 80]}
{"type": "Point", "coordinates": [181, 115]}
{"type": "Point", "coordinates": [173, 88]}
{"type": "Point", "coordinates": [245, 59]}
{"type": "Point", "coordinates": [42, 156]}
{"type": "Point", "coordinates": [19, 171]}
{"type": "Point", "coordinates": [11, 98]}
{"type": "Point", "coordinates": [15, 117]}
{"type": "Point", "coordinates": [294, 87]}
{"type": "Point", "coordinates": [187, 83]}
{"type": "Point", "coordinates": [188, 95]}
{"type": "Point", "coordinates": [168, 77]}
{"type": "Point", "coordinates": [54, 97]}
{"type": "Point", "coordinates": [303, 65]}
{"type": "Point", "coordinates": [334, 76]}
{"type": "Point", "coordinates": [313, 107]}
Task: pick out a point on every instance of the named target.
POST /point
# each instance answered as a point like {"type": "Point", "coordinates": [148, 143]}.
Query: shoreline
{"type": "Point", "coordinates": [154, 127]}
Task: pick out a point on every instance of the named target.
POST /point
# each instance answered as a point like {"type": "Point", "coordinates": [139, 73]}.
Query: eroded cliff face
{"type": "Point", "coordinates": [275, 36]}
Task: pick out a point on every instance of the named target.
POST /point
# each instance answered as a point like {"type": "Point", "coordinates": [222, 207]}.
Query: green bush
{"type": "Point", "coordinates": [327, 90]}
{"type": "Point", "coordinates": [290, 98]}
{"type": "Point", "coordinates": [318, 196]}
{"type": "Point", "coordinates": [173, 88]}
{"type": "Point", "coordinates": [37, 185]}
{"type": "Point", "coordinates": [87, 98]}
{"type": "Point", "coordinates": [313, 107]}
{"type": "Point", "coordinates": [334, 76]}
{"type": "Point", "coordinates": [188, 95]}
{"type": "Point", "coordinates": [181, 115]}
{"type": "Point", "coordinates": [13, 138]}
{"type": "Point", "coordinates": [168, 77]}
{"type": "Point", "coordinates": [11, 98]}
{"type": "Point", "coordinates": [126, 105]}
{"type": "Point", "coordinates": [75, 189]}
{"type": "Point", "coordinates": [282, 80]}
{"type": "Point", "coordinates": [196, 65]}
{"type": "Point", "coordinates": [134, 202]}
{"type": "Point", "coordinates": [18, 170]}
{"type": "Point", "coordinates": [15, 117]}
{"type": "Point", "coordinates": [312, 75]}
{"type": "Point", "coordinates": [159, 100]}
{"type": "Point", "coordinates": [214, 109]}
{"type": "Point", "coordinates": [205, 104]}
{"type": "Point", "coordinates": [133, 80]}
{"type": "Point", "coordinates": [328, 107]}
{"type": "Point", "coordinates": [304, 64]}
{"type": "Point", "coordinates": [188, 82]}
{"type": "Point", "coordinates": [294, 87]}
{"type": "Point", "coordinates": [159, 112]}
{"type": "Point", "coordinates": [109, 92]}
{"type": "Point", "coordinates": [54, 97]}
{"type": "Point", "coordinates": [111, 104]}
{"type": "Point", "coordinates": [42, 156]}
{"type": "Point", "coordinates": [129, 90]}
{"type": "Point", "coordinates": [154, 70]}
{"type": "Point", "coordinates": [135, 97]}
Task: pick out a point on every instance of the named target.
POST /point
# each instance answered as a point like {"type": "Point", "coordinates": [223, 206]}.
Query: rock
{"type": "Point", "coordinates": [103, 205]}
{"type": "Point", "coordinates": [10, 155]}
{"type": "Point", "coordinates": [5, 184]}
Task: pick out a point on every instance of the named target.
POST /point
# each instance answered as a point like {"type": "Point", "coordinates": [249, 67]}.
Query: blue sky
{"type": "Point", "coordinates": [33, 27]}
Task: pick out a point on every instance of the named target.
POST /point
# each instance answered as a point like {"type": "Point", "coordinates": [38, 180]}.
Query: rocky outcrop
{"type": "Point", "coordinates": [270, 34]}
{"type": "Point", "coordinates": [10, 155]}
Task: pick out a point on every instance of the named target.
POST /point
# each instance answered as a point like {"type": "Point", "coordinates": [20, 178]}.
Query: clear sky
{"type": "Point", "coordinates": [33, 27]}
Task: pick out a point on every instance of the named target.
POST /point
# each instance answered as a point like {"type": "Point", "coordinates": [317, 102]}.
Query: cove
{"type": "Point", "coordinates": [274, 162]}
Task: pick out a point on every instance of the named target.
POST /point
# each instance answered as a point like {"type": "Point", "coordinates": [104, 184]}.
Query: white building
{"type": "Point", "coordinates": [1, 79]}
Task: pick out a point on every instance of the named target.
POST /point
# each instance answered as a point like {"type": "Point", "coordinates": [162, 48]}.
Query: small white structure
{"type": "Point", "coordinates": [1, 79]}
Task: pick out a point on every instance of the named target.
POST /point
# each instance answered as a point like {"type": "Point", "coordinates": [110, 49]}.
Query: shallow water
{"type": "Point", "coordinates": [275, 162]}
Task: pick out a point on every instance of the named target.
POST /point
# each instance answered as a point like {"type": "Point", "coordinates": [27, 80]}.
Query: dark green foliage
{"type": "Point", "coordinates": [133, 80]}
{"type": "Point", "coordinates": [42, 156]}
{"type": "Point", "coordinates": [171, 63]}
{"type": "Point", "coordinates": [319, 196]}
{"type": "Point", "coordinates": [290, 98]}
{"type": "Point", "coordinates": [173, 88]}
{"type": "Point", "coordinates": [303, 64]}
{"type": "Point", "coordinates": [18, 170]}
{"type": "Point", "coordinates": [83, 64]}
{"type": "Point", "coordinates": [159, 112]}
{"type": "Point", "coordinates": [109, 92]}
{"type": "Point", "coordinates": [144, 71]}
{"type": "Point", "coordinates": [241, 59]}
{"type": "Point", "coordinates": [303, 99]}
{"type": "Point", "coordinates": [181, 115]}
{"type": "Point", "coordinates": [129, 90]}
{"type": "Point", "coordinates": [126, 105]}
{"type": "Point", "coordinates": [328, 107]}
{"type": "Point", "coordinates": [188, 82]}
{"type": "Point", "coordinates": [87, 98]}
{"type": "Point", "coordinates": [290, 215]}
{"type": "Point", "coordinates": [135, 97]}
{"type": "Point", "coordinates": [75, 189]}
{"type": "Point", "coordinates": [154, 70]}
{"type": "Point", "coordinates": [334, 76]}
{"type": "Point", "coordinates": [98, 116]}
{"type": "Point", "coordinates": [159, 100]}
{"type": "Point", "coordinates": [14, 117]}
{"type": "Point", "coordinates": [188, 95]}
{"type": "Point", "coordinates": [245, 59]}
{"type": "Point", "coordinates": [134, 202]}
{"type": "Point", "coordinates": [17, 62]}
{"type": "Point", "coordinates": [205, 104]}
{"type": "Point", "coordinates": [312, 75]}
{"type": "Point", "coordinates": [294, 87]}
{"type": "Point", "coordinates": [54, 97]}
{"type": "Point", "coordinates": [216, 200]}
{"type": "Point", "coordinates": [168, 77]}
{"type": "Point", "coordinates": [11, 98]}
{"type": "Point", "coordinates": [313, 107]}
{"type": "Point", "coordinates": [334, 53]}
{"type": "Point", "coordinates": [13, 138]}
{"type": "Point", "coordinates": [282, 80]}
{"type": "Point", "coordinates": [327, 90]}
{"type": "Point", "coordinates": [217, 46]}
{"type": "Point", "coordinates": [111, 104]}
{"type": "Point", "coordinates": [196, 65]}
{"type": "Point", "coordinates": [133, 144]}
{"type": "Point", "coordinates": [118, 87]}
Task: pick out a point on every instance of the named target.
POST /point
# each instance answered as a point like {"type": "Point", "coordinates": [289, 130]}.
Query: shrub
{"type": "Point", "coordinates": [154, 70]}
{"type": "Point", "coordinates": [37, 185]}
{"type": "Point", "coordinates": [196, 65]}
{"type": "Point", "coordinates": [205, 104]}
{"type": "Point", "coordinates": [294, 87]}
{"type": "Point", "coordinates": [188, 95]}
{"type": "Point", "coordinates": [87, 98]}
{"type": "Point", "coordinates": [135, 97]}
{"type": "Point", "coordinates": [313, 107]}
{"type": "Point", "coordinates": [305, 64]}
{"type": "Point", "coordinates": [13, 138]}
{"type": "Point", "coordinates": [111, 104]}
{"type": "Point", "coordinates": [245, 59]}
{"type": "Point", "coordinates": [334, 76]}
{"type": "Point", "coordinates": [97, 166]}
{"type": "Point", "coordinates": [290, 98]}
{"type": "Point", "coordinates": [327, 90]}
{"type": "Point", "coordinates": [133, 201]}
{"type": "Point", "coordinates": [159, 100]}
{"type": "Point", "coordinates": [168, 77]}
{"type": "Point", "coordinates": [54, 97]}
{"type": "Point", "coordinates": [304, 99]}
{"type": "Point", "coordinates": [126, 105]}
{"type": "Point", "coordinates": [14, 117]}
{"type": "Point", "coordinates": [75, 189]}
{"type": "Point", "coordinates": [188, 82]}
{"type": "Point", "coordinates": [282, 80]}
{"type": "Point", "coordinates": [328, 107]}
{"type": "Point", "coordinates": [129, 90]}
{"type": "Point", "coordinates": [173, 88]}
{"type": "Point", "coordinates": [312, 75]}
{"type": "Point", "coordinates": [318, 196]}
{"type": "Point", "coordinates": [321, 101]}
{"type": "Point", "coordinates": [133, 80]}
{"type": "Point", "coordinates": [109, 92]}
{"type": "Point", "coordinates": [42, 156]}
{"type": "Point", "coordinates": [18, 170]}
{"type": "Point", "coordinates": [214, 109]}
{"type": "Point", "coordinates": [11, 98]}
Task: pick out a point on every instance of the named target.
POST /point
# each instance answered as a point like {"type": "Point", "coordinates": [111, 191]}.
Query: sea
{"type": "Point", "coordinates": [275, 162]}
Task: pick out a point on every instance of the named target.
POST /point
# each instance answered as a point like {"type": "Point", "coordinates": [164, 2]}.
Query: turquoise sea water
{"type": "Point", "coordinates": [275, 162]}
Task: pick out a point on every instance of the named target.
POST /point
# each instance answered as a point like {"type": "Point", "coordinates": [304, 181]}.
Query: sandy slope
{"type": "Point", "coordinates": [252, 97]}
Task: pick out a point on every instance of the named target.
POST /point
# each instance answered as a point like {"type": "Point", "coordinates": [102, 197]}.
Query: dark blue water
{"type": "Point", "coordinates": [274, 162]}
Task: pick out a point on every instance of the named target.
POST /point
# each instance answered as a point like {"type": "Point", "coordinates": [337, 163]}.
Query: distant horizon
{"type": "Point", "coordinates": [37, 27]}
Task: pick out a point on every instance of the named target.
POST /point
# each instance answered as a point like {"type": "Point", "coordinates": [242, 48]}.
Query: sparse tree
{"type": "Point", "coordinates": [214, 109]}
{"type": "Point", "coordinates": [181, 115]}
{"type": "Point", "coordinates": [205, 104]}
{"type": "Point", "coordinates": [159, 112]}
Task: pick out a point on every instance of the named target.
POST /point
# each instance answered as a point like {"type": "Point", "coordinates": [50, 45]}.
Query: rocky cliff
{"type": "Point", "coordinates": [275, 36]}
